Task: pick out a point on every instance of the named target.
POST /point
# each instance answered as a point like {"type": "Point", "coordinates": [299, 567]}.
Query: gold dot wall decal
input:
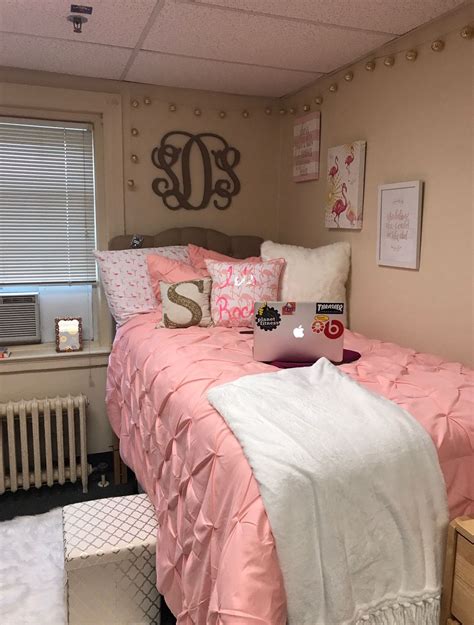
{"type": "Point", "coordinates": [437, 45]}
{"type": "Point", "coordinates": [411, 55]}
{"type": "Point", "coordinates": [134, 132]}
{"type": "Point", "coordinates": [370, 66]}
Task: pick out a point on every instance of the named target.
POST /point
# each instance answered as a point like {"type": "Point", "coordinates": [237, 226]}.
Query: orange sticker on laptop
{"type": "Point", "coordinates": [319, 323]}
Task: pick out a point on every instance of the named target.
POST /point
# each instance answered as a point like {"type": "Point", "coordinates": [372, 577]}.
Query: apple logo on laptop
{"type": "Point", "coordinates": [298, 332]}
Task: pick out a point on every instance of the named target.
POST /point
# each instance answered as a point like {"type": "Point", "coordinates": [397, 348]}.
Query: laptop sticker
{"type": "Point", "coordinates": [289, 308]}
{"type": "Point", "coordinates": [330, 308]}
{"type": "Point", "coordinates": [333, 329]}
{"type": "Point", "coordinates": [319, 322]}
{"type": "Point", "coordinates": [267, 318]}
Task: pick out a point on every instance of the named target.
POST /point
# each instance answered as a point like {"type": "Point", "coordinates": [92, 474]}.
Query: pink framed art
{"type": "Point", "coordinates": [306, 135]}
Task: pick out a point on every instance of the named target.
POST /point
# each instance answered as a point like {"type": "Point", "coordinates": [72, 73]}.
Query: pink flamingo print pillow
{"type": "Point", "coordinates": [124, 276]}
{"type": "Point", "coordinates": [237, 286]}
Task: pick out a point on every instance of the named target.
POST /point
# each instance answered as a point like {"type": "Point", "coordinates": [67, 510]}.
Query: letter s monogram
{"type": "Point", "coordinates": [181, 300]}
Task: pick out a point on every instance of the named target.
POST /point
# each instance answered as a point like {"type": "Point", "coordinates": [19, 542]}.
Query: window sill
{"type": "Point", "coordinates": [44, 357]}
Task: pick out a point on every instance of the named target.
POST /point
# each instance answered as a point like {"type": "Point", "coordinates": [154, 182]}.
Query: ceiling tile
{"type": "Point", "coordinates": [113, 22]}
{"type": "Point", "coordinates": [196, 30]}
{"type": "Point", "coordinates": [391, 16]}
{"type": "Point", "coordinates": [65, 57]}
{"type": "Point", "coordinates": [177, 71]}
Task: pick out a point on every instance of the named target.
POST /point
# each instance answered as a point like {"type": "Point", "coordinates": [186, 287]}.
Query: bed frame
{"type": "Point", "coordinates": [237, 246]}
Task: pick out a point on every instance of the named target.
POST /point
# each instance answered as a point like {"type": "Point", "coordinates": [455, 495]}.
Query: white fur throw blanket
{"type": "Point", "coordinates": [353, 491]}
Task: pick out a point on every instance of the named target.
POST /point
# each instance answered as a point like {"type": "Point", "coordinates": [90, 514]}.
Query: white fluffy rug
{"type": "Point", "coordinates": [32, 571]}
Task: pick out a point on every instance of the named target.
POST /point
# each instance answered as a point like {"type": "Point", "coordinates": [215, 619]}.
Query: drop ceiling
{"type": "Point", "coordinates": [252, 47]}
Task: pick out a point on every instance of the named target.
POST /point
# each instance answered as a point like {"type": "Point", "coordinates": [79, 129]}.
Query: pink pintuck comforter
{"type": "Point", "coordinates": [216, 557]}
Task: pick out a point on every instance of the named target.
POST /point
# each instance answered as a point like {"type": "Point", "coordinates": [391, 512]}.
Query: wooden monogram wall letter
{"type": "Point", "coordinates": [183, 156]}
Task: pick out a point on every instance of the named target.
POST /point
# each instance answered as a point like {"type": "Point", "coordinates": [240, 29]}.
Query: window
{"type": "Point", "coordinates": [47, 202]}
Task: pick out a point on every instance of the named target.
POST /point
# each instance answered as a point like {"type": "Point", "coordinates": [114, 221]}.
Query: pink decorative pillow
{"type": "Point", "coordinates": [162, 269]}
{"type": "Point", "coordinates": [236, 286]}
{"type": "Point", "coordinates": [199, 255]}
{"type": "Point", "coordinates": [126, 282]}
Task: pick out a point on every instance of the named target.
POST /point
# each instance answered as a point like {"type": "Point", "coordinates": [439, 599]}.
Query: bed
{"type": "Point", "coordinates": [216, 557]}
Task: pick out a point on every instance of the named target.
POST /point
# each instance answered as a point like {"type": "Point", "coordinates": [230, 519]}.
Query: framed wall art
{"type": "Point", "coordinates": [345, 186]}
{"type": "Point", "coordinates": [399, 224]}
{"type": "Point", "coordinates": [306, 135]}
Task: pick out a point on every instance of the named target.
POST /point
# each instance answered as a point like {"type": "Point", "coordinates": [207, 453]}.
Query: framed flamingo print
{"type": "Point", "coordinates": [345, 186]}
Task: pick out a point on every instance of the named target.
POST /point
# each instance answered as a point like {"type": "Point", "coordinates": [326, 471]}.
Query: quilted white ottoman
{"type": "Point", "coordinates": [109, 557]}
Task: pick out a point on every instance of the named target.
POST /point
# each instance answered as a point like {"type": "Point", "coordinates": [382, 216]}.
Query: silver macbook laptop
{"type": "Point", "coordinates": [298, 331]}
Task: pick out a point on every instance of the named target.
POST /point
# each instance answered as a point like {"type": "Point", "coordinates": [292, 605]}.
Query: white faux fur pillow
{"type": "Point", "coordinates": [311, 275]}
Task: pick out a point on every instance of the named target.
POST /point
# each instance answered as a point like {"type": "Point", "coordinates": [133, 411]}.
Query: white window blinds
{"type": "Point", "coordinates": [47, 202]}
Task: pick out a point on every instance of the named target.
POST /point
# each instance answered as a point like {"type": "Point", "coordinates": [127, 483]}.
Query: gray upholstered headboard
{"type": "Point", "coordinates": [237, 246]}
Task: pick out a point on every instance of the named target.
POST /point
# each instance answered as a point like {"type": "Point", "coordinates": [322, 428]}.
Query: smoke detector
{"type": "Point", "coordinates": [77, 17]}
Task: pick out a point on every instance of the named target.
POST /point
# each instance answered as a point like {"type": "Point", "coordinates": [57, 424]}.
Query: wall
{"type": "Point", "coordinates": [253, 211]}
{"type": "Point", "coordinates": [417, 121]}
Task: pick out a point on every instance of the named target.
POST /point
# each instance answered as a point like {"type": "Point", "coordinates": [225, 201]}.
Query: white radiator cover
{"type": "Point", "coordinates": [43, 441]}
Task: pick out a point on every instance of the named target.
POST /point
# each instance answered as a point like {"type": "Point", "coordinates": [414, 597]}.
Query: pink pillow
{"type": "Point", "coordinates": [162, 269]}
{"type": "Point", "coordinates": [236, 286]}
{"type": "Point", "coordinates": [199, 255]}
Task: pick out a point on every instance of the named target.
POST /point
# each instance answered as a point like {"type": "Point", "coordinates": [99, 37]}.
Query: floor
{"type": "Point", "coordinates": [38, 501]}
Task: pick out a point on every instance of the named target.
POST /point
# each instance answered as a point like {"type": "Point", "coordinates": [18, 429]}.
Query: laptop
{"type": "Point", "coordinates": [298, 331]}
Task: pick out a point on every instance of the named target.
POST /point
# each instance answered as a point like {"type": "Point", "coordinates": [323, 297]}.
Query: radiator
{"type": "Point", "coordinates": [43, 441]}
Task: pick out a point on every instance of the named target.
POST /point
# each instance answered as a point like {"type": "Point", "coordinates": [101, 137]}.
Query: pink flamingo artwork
{"type": "Point", "coordinates": [334, 169]}
{"type": "Point", "coordinates": [349, 159]}
{"type": "Point", "coordinates": [340, 206]}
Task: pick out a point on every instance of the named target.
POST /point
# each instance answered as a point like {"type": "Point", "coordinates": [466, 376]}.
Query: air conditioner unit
{"type": "Point", "coordinates": [19, 318]}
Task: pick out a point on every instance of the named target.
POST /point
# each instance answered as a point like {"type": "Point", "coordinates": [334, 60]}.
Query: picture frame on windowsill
{"type": "Point", "coordinates": [68, 331]}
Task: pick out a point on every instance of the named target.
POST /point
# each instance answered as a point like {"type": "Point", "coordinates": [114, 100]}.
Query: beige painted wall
{"type": "Point", "coordinates": [417, 121]}
{"type": "Point", "coordinates": [252, 211]}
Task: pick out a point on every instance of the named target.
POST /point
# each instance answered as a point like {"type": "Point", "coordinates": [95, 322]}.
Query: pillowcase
{"type": "Point", "coordinates": [236, 286]}
{"type": "Point", "coordinates": [126, 282]}
{"type": "Point", "coordinates": [186, 303]}
{"type": "Point", "coordinates": [199, 255]}
{"type": "Point", "coordinates": [163, 269]}
{"type": "Point", "coordinates": [312, 275]}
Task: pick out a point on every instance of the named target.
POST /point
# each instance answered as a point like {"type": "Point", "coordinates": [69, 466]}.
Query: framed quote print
{"type": "Point", "coordinates": [306, 135]}
{"type": "Point", "coordinates": [399, 224]}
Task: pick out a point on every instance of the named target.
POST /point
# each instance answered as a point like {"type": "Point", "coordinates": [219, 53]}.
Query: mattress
{"type": "Point", "coordinates": [216, 557]}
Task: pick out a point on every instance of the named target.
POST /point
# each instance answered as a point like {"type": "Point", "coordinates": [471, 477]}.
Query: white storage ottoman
{"type": "Point", "coordinates": [109, 557]}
